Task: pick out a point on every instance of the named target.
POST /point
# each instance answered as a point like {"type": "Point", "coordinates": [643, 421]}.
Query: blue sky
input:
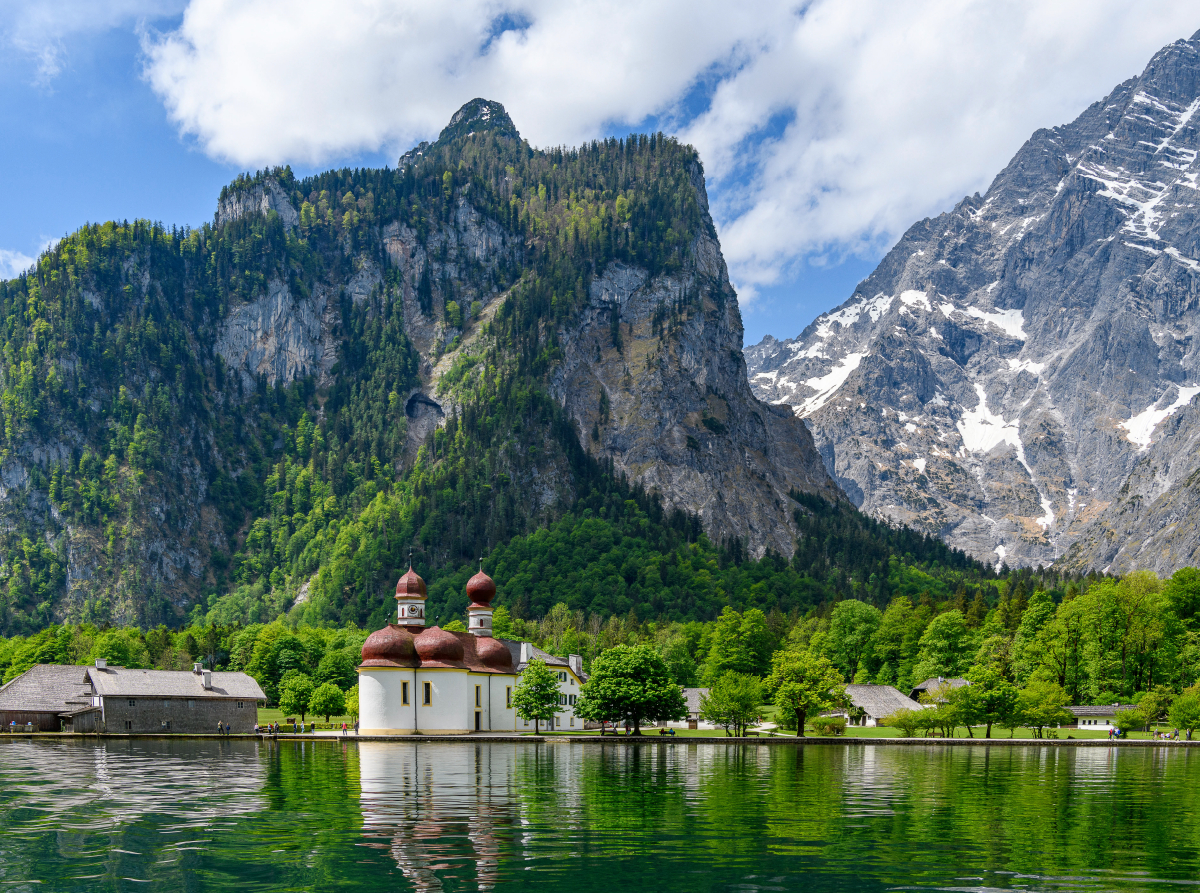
{"type": "Point", "coordinates": [826, 129]}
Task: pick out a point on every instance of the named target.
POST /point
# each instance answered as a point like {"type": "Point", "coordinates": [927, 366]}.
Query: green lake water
{"type": "Point", "coordinates": [192, 815]}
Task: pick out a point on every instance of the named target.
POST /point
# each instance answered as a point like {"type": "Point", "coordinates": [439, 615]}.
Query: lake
{"type": "Point", "coordinates": [199, 815]}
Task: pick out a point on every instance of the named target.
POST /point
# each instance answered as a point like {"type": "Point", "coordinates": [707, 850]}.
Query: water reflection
{"type": "Point", "coordinates": [689, 817]}
{"type": "Point", "coordinates": [439, 809]}
{"type": "Point", "coordinates": [90, 798]}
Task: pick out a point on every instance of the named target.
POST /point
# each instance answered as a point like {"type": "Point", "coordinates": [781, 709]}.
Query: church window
{"type": "Point", "coordinates": [404, 693]}
{"type": "Point", "coordinates": [508, 696]}
{"type": "Point", "coordinates": [428, 693]}
{"type": "Point", "coordinates": [478, 696]}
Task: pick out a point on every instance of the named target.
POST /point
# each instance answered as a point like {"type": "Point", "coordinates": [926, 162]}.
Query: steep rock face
{"type": "Point", "coordinates": [257, 199]}
{"type": "Point", "coordinates": [677, 413]}
{"type": "Point", "coordinates": [279, 336]}
{"type": "Point", "coordinates": [1009, 364]}
{"type": "Point", "coordinates": [654, 379]}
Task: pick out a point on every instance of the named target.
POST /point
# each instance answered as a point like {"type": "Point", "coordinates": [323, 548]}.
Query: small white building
{"type": "Point", "coordinates": [1100, 718]}
{"type": "Point", "coordinates": [418, 680]}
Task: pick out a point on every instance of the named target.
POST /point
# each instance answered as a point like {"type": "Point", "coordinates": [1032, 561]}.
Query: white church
{"type": "Point", "coordinates": [418, 680]}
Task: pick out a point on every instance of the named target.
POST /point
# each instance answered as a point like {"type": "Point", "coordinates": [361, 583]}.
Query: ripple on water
{"type": "Point", "coordinates": [247, 815]}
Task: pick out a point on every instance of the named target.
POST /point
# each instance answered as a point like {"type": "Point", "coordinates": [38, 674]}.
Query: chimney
{"type": "Point", "coordinates": [575, 662]}
{"type": "Point", "coordinates": [207, 679]}
{"type": "Point", "coordinates": [526, 652]}
{"type": "Point", "coordinates": [101, 663]}
{"type": "Point", "coordinates": [197, 667]}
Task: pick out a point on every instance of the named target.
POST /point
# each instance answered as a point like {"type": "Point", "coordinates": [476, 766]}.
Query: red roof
{"type": "Point", "coordinates": [396, 646]}
{"type": "Point", "coordinates": [481, 589]}
{"type": "Point", "coordinates": [411, 585]}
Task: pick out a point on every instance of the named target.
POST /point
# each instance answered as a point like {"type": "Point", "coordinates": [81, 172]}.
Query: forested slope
{"type": "Point", "coordinates": [491, 350]}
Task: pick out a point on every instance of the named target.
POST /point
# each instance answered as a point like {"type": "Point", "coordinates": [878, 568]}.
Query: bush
{"type": "Point", "coordinates": [1130, 720]}
{"type": "Point", "coordinates": [829, 725]}
{"type": "Point", "coordinates": [909, 722]}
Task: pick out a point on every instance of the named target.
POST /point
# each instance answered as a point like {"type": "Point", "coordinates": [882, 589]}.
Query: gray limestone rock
{"type": "Point", "coordinates": [1008, 366]}
{"type": "Point", "coordinates": [262, 197]}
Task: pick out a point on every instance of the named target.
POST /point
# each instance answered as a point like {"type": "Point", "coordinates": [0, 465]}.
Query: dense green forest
{"type": "Point", "coordinates": [182, 491]}
{"type": "Point", "coordinates": [1101, 640]}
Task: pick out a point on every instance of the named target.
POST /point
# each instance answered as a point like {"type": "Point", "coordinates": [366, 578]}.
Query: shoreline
{"type": "Point", "coordinates": [495, 738]}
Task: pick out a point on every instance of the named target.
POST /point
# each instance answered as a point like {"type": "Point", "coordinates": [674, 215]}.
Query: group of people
{"type": "Point", "coordinates": [272, 728]}
{"type": "Point", "coordinates": [222, 728]}
{"type": "Point", "coordinates": [1158, 736]}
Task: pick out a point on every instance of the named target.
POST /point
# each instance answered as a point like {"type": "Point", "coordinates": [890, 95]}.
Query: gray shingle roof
{"type": "Point", "coordinates": [1110, 710]}
{"type": "Point", "coordinates": [514, 648]}
{"type": "Point", "coordinates": [123, 682]}
{"type": "Point", "coordinates": [48, 688]}
{"type": "Point", "coordinates": [691, 697]}
{"type": "Point", "coordinates": [878, 701]}
{"type": "Point", "coordinates": [940, 680]}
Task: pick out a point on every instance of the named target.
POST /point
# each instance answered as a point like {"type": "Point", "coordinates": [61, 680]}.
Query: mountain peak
{"type": "Point", "coordinates": [478, 115]}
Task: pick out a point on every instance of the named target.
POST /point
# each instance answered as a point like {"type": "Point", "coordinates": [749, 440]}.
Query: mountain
{"type": "Point", "coordinates": [273, 410]}
{"type": "Point", "coordinates": [1018, 375]}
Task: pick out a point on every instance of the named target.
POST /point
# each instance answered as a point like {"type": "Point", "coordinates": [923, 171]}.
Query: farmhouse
{"type": "Point", "coordinates": [101, 698]}
{"type": "Point", "coordinates": [1100, 718]}
{"type": "Point", "coordinates": [929, 686]}
{"type": "Point", "coordinates": [175, 700]}
{"type": "Point", "coordinates": [870, 703]}
{"type": "Point", "coordinates": [49, 698]}
{"type": "Point", "coordinates": [416, 680]}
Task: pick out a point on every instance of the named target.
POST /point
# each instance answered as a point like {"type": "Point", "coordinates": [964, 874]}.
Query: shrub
{"type": "Point", "coordinates": [909, 722]}
{"type": "Point", "coordinates": [829, 725]}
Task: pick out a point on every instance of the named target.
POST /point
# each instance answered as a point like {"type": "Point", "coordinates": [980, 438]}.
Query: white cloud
{"type": "Point", "coordinates": [830, 129]}
{"type": "Point", "coordinates": [13, 263]}
{"type": "Point", "coordinates": [264, 81]}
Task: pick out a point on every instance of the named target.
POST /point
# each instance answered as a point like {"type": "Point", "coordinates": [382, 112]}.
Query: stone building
{"type": "Point", "coordinates": [101, 698]}
{"type": "Point", "coordinates": [415, 679]}
{"type": "Point", "coordinates": [175, 700]}
{"type": "Point", "coordinates": [49, 698]}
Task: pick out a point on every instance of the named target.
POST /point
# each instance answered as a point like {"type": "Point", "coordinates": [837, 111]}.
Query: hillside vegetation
{"type": "Point", "coordinates": [147, 483]}
{"type": "Point", "coordinates": [1100, 640]}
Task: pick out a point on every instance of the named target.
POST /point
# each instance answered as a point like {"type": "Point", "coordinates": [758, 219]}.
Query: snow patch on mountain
{"type": "Point", "coordinates": [826, 385]}
{"type": "Point", "coordinates": [1141, 426]}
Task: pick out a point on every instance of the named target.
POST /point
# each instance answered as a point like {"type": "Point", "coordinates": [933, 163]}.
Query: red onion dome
{"type": "Point", "coordinates": [481, 589]}
{"type": "Point", "coordinates": [391, 646]}
{"type": "Point", "coordinates": [494, 654]}
{"type": "Point", "coordinates": [411, 585]}
{"type": "Point", "coordinates": [435, 645]}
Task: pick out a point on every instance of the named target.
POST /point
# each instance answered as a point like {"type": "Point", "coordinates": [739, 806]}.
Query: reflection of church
{"type": "Point", "coordinates": [418, 680]}
{"type": "Point", "coordinates": [439, 809]}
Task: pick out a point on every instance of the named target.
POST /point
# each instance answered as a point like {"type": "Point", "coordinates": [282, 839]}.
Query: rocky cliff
{"type": "Point", "coordinates": [1017, 375]}
{"type": "Point", "coordinates": [342, 367]}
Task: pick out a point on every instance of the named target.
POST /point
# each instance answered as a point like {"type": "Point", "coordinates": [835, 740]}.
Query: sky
{"type": "Point", "coordinates": [826, 127]}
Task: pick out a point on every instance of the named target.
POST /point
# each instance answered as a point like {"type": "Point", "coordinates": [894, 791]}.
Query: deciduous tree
{"type": "Point", "coordinates": [631, 684]}
{"type": "Point", "coordinates": [804, 683]}
{"type": "Point", "coordinates": [734, 701]}
{"type": "Point", "coordinates": [536, 695]}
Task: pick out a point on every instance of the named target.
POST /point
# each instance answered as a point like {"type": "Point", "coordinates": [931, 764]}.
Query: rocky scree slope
{"type": "Point", "coordinates": [1017, 375]}
{"type": "Point", "coordinates": [342, 367]}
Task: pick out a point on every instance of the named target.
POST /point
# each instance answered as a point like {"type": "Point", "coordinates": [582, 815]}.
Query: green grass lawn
{"type": "Point", "coordinates": [273, 714]}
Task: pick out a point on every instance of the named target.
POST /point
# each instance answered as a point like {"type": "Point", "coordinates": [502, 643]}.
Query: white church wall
{"type": "Point", "coordinates": [381, 707]}
{"type": "Point", "coordinates": [451, 709]}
